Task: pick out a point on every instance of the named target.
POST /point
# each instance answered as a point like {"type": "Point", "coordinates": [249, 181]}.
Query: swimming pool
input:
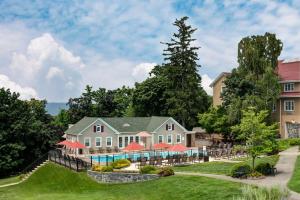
{"type": "Point", "coordinates": [135, 156]}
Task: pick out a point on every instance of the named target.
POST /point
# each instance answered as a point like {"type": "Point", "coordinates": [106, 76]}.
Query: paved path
{"type": "Point", "coordinates": [285, 167]}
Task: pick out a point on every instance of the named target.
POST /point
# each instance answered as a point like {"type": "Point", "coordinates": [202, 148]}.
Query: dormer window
{"type": "Point", "coordinates": [98, 128]}
{"type": "Point", "coordinates": [170, 127]}
{"type": "Point", "coordinates": [288, 87]}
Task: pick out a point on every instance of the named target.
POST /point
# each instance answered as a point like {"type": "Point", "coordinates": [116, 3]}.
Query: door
{"type": "Point", "coordinates": [188, 140]}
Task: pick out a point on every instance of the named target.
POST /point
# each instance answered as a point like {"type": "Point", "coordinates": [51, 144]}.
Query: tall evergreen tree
{"type": "Point", "coordinates": [185, 96]}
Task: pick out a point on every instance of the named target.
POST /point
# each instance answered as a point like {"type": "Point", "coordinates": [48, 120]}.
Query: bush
{"type": "Point", "coordinates": [166, 171]}
{"type": "Point", "coordinates": [252, 193]}
{"type": "Point", "coordinates": [118, 164]}
{"type": "Point", "coordinates": [240, 170]}
{"type": "Point", "coordinates": [99, 168]}
{"type": "Point", "coordinates": [255, 174]}
{"type": "Point", "coordinates": [107, 169]}
{"type": "Point", "coordinates": [286, 143]}
{"type": "Point", "coordinates": [148, 169]}
{"type": "Point", "coordinates": [264, 168]}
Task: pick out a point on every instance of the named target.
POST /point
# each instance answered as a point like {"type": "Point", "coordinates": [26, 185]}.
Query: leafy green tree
{"type": "Point", "coordinates": [215, 120]}
{"type": "Point", "coordinates": [258, 136]}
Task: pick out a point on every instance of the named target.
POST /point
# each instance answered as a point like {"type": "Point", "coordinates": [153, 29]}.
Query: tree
{"type": "Point", "coordinates": [259, 137]}
{"type": "Point", "coordinates": [215, 120]}
{"type": "Point", "coordinates": [185, 97]}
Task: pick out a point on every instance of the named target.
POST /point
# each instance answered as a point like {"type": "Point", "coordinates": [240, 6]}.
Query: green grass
{"type": "Point", "coordinates": [223, 167]}
{"type": "Point", "coordinates": [294, 183]}
{"type": "Point", "coordinates": [9, 180]}
{"type": "Point", "coordinates": [55, 182]}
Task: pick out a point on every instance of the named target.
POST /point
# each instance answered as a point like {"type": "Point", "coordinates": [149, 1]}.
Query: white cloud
{"type": "Point", "coordinates": [25, 92]}
{"type": "Point", "coordinates": [206, 81]}
{"type": "Point", "coordinates": [141, 71]}
{"type": "Point", "coordinates": [44, 58]}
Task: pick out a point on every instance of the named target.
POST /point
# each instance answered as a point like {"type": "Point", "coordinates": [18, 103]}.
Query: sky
{"type": "Point", "coordinates": [53, 49]}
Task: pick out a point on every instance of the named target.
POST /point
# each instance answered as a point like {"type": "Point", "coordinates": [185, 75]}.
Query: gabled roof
{"type": "Point", "coordinates": [289, 70]}
{"type": "Point", "coordinates": [121, 124]}
{"type": "Point", "coordinates": [218, 78]}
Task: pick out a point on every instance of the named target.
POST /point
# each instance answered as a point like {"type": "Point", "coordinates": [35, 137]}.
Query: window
{"type": "Point", "coordinates": [288, 87]}
{"type": "Point", "coordinates": [169, 139]}
{"type": "Point", "coordinates": [99, 128]}
{"type": "Point", "coordinates": [137, 139]}
{"type": "Point", "coordinates": [98, 141]}
{"type": "Point", "coordinates": [126, 141]}
{"type": "Point", "coordinates": [87, 142]}
{"type": "Point", "coordinates": [131, 139]}
{"type": "Point", "coordinates": [109, 141]}
{"type": "Point", "coordinates": [274, 107]}
{"type": "Point", "coordinates": [169, 127]}
{"type": "Point", "coordinates": [289, 106]}
{"type": "Point", "coordinates": [120, 142]}
{"type": "Point", "coordinates": [178, 138]}
{"type": "Point", "coordinates": [223, 89]}
{"type": "Point", "coordinates": [160, 138]}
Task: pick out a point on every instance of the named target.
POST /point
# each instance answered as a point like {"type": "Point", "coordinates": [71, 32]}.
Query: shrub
{"type": "Point", "coordinates": [255, 174]}
{"type": "Point", "coordinates": [240, 170]}
{"type": "Point", "coordinates": [264, 168]}
{"type": "Point", "coordinates": [96, 167]}
{"type": "Point", "coordinates": [107, 169]}
{"type": "Point", "coordinates": [118, 164]}
{"type": "Point", "coordinates": [148, 169]}
{"type": "Point", "coordinates": [253, 193]}
{"type": "Point", "coordinates": [166, 171]}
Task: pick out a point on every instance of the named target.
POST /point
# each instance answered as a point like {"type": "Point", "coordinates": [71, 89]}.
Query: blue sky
{"type": "Point", "coordinates": [50, 49]}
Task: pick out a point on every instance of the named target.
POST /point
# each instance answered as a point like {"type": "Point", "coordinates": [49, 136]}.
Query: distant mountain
{"type": "Point", "coordinates": [54, 108]}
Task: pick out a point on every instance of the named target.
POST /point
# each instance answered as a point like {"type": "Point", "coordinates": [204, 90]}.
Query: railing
{"type": "Point", "coordinates": [35, 164]}
{"type": "Point", "coordinates": [67, 161]}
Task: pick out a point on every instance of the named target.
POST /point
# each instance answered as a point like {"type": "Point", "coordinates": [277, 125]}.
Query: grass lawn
{"type": "Point", "coordinates": [9, 180]}
{"type": "Point", "coordinates": [294, 183]}
{"type": "Point", "coordinates": [223, 167]}
{"type": "Point", "coordinates": [55, 182]}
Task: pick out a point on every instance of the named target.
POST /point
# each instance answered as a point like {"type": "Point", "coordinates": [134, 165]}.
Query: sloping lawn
{"type": "Point", "coordinates": [294, 183]}
{"type": "Point", "coordinates": [9, 180]}
{"type": "Point", "coordinates": [218, 167]}
{"type": "Point", "coordinates": [55, 182]}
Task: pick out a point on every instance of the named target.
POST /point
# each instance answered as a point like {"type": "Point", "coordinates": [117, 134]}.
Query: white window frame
{"type": "Point", "coordinates": [179, 138]}
{"type": "Point", "coordinates": [122, 142]}
{"type": "Point", "coordinates": [288, 87]}
{"type": "Point", "coordinates": [98, 126]}
{"type": "Point", "coordinates": [111, 141]}
{"type": "Point", "coordinates": [90, 141]}
{"type": "Point", "coordinates": [170, 126]}
{"type": "Point", "coordinates": [292, 105]}
{"type": "Point", "coordinates": [162, 138]}
{"type": "Point", "coordinates": [169, 135]}
{"type": "Point", "coordinates": [96, 141]}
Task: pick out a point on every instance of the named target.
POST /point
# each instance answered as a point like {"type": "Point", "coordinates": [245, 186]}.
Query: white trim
{"type": "Point", "coordinates": [168, 139]}
{"type": "Point", "coordinates": [284, 104]}
{"type": "Point", "coordinates": [98, 126]}
{"type": "Point", "coordinates": [96, 141]}
{"type": "Point", "coordinates": [179, 138]}
{"type": "Point", "coordinates": [289, 81]}
{"type": "Point", "coordinates": [162, 138]}
{"type": "Point", "coordinates": [291, 85]}
{"type": "Point", "coordinates": [171, 118]}
{"type": "Point", "coordinates": [111, 142]}
{"type": "Point", "coordinates": [90, 141]}
{"type": "Point", "coordinates": [102, 121]}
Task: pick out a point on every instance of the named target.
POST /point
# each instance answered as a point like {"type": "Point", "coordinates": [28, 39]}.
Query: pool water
{"type": "Point", "coordinates": [135, 156]}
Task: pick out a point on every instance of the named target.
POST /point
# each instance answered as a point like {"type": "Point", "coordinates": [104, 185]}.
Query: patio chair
{"type": "Point", "coordinates": [101, 150]}
{"type": "Point", "coordinates": [158, 161]}
{"type": "Point", "coordinates": [170, 161]}
{"type": "Point", "coordinates": [108, 150]}
{"type": "Point", "coordinates": [152, 161]}
{"type": "Point", "coordinates": [143, 162]}
{"type": "Point", "coordinates": [184, 159]}
{"type": "Point", "coordinates": [116, 149]}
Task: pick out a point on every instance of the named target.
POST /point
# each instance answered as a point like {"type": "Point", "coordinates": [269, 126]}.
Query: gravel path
{"type": "Point", "coordinates": [285, 167]}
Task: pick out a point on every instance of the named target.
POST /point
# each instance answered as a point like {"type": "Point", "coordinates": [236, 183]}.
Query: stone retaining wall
{"type": "Point", "coordinates": [120, 177]}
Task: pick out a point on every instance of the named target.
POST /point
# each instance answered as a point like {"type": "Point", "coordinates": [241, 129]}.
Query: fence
{"type": "Point", "coordinates": [67, 161]}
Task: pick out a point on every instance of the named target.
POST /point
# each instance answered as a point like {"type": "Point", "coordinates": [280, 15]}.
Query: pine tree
{"type": "Point", "coordinates": [185, 96]}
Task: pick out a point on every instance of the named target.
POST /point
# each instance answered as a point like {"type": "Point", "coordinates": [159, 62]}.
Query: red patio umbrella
{"type": "Point", "coordinates": [133, 146]}
{"type": "Point", "coordinates": [65, 143]}
{"type": "Point", "coordinates": [161, 146]}
{"type": "Point", "coordinates": [178, 148]}
{"type": "Point", "coordinates": [77, 145]}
